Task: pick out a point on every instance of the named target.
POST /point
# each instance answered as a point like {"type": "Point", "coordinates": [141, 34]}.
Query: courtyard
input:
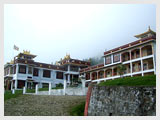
{"type": "Point", "coordinates": [38, 105]}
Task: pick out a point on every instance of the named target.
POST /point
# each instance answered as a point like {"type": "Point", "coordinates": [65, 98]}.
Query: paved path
{"type": "Point", "coordinates": [40, 105]}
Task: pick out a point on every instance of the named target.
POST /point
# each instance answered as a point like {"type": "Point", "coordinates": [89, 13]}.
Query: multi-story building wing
{"type": "Point", "coordinates": [138, 57]}
{"type": "Point", "coordinates": [24, 71]}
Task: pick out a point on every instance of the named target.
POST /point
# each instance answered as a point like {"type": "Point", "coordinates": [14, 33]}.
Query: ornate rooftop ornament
{"type": "Point", "coordinates": [12, 62]}
{"type": "Point", "coordinates": [67, 56]}
{"type": "Point", "coordinates": [26, 52]}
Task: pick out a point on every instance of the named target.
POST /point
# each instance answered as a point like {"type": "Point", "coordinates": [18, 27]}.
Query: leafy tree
{"type": "Point", "coordinates": [121, 69]}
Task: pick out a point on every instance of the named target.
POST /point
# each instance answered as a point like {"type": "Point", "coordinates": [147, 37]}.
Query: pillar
{"type": "Point", "coordinates": [15, 84]}
{"type": "Point", "coordinates": [154, 56]}
{"type": "Point", "coordinates": [142, 67]}
{"type": "Point", "coordinates": [17, 68]}
{"type": "Point", "coordinates": [130, 63]}
{"type": "Point", "coordinates": [24, 90]}
{"type": "Point", "coordinates": [64, 87]}
{"type": "Point", "coordinates": [69, 67]}
{"type": "Point", "coordinates": [131, 68]}
{"type": "Point", "coordinates": [83, 86]}
{"type": "Point", "coordinates": [112, 71]}
{"type": "Point", "coordinates": [11, 84]}
{"type": "Point", "coordinates": [140, 52]}
{"type": "Point", "coordinates": [97, 75]}
{"type": "Point", "coordinates": [26, 84]}
{"type": "Point", "coordinates": [49, 92]}
{"type": "Point", "coordinates": [112, 58]}
{"type": "Point", "coordinates": [13, 91]}
{"type": "Point", "coordinates": [69, 77]}
{"type": "Point", "coordinates": [130, 55]}
{"type": "Point", "coordinates": [36, 91]}
{"type": "Point", "coordinates": [90, 75]}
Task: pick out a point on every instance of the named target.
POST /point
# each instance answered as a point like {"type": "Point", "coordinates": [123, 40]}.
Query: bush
{"type": "Point", "coordinates": [78, 110]}
{"type": "Point", "coordinates": [59, 85]}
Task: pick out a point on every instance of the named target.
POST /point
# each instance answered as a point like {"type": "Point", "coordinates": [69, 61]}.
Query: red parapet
{"type": "Point", "coordinates": [88, 99]}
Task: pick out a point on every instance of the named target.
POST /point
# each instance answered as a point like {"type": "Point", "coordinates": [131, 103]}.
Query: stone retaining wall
{"type": "Point", "coordinates": [68, 91]}
{"type": "Point", "coordinates": [122, 101]}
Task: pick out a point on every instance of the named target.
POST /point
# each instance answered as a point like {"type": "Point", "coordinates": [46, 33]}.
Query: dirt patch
{"type": "Point", "coordinates": [41, 105]}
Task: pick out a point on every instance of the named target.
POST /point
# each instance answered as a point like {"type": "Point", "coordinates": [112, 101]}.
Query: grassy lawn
{"type": "Point", "coordinates": [78, 110]}
{"type": "Point", "coordinates": [149, 80]}
{"type": "Point", "coordinates": [8, 94]}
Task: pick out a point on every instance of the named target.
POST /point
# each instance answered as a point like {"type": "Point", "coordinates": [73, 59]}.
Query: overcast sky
{"type": "Point", "coordinates": [83, 31]}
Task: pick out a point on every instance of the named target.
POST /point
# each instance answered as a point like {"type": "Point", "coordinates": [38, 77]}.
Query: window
{"type": "Point", "coordinates": [116, 57]}
{"type": "Point", "coordinates": [144, 66]}
{"type": "Point", "coordinates": [29, 70]}
{"type": "Point", "coordinates": [35, 72]}
{"type": "Point", "coordinates": [47, 73]}
{"type": "Point", "coordinates": [22, 69]}
{"type": "Point", "coordinates": [59, 75]}
{"type": "Point", "coordinates": [108, 60]}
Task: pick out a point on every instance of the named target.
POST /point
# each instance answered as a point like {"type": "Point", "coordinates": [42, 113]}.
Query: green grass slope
{"type": "Point", "coordinates": [149, 80]}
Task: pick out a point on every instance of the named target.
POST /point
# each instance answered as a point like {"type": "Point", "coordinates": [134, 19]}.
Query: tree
{"type": "Point", "coordinates": [121, 69]}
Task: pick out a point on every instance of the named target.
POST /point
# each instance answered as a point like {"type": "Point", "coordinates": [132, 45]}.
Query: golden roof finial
{"type": "Point", "coordinates": [26, 52]}
{"type": "Point", "coordinates": [12, 62]}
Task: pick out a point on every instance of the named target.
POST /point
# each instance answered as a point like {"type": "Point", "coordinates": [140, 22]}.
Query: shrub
{"type": "Point", "coordinates": [59, 85]}
{"type": "Point", "coordinates": [78, 110]}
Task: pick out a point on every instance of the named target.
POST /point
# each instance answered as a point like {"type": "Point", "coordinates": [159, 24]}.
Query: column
{"type": "Point", "coordinates": [90, 75]}
{"type": "Point", "coordinates": [97, 75]}
{"type": "Point", "coordinates": [13, 91]}
{"type": "Point", "coordinates": [140, 52]}
{"type": "Point", "coordinates": [11, 84]}
{"type": "Point", "coordinates": [154, 56]}
{"type": "Point", "coordinates": [130, 55]}
{"type": "Point", "coordinates": [27, 69]}
{"type": "Point", "coordinates": [17, 68]}
{"type": "Point", "coordinates": [36, 91]}
{"type": "Point", "coordinates": [131, 68]}
{"type": "Point", "coordinates": [24, 90]}
{"type": "Point", "coordinates": [15, 84]}
{"type": "Point", "coordinates": [130, 62]}
{"type": "Point", "coordinates": [26, 84]}
{"type": "Point", "coordinates": [49, 92]}
{"type": "Point", "coordinates": [69, 67]}
{"type": "Point", "coordinates": [64, 87]}
{"type": "Point", "coordinates": [112, 71]}
{"type": "Point", "coordinates": [142, 67]}
{"type": "Point", "coordinates": [112, 58]}
{"type": "Point", "coordinates": [69, 79]}
{"type": "Point", "coordinates": [120, 57]}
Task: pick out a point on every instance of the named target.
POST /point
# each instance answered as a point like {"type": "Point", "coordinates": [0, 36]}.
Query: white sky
{"type": "Point", "coordinates": [84, 30]}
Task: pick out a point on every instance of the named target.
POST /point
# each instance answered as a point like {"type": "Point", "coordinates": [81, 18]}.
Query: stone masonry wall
{"type": "Point", "coordinates": [122, 101]}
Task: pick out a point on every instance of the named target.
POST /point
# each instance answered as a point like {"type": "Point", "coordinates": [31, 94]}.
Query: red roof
{"type": "Point", "coordinates": [129, 45]}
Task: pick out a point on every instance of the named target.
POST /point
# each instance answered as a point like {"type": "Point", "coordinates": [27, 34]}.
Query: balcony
{"type": "Point", "coordinates": [147, 50]}
{"type": "Point", "coordinates": [125, 56]}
